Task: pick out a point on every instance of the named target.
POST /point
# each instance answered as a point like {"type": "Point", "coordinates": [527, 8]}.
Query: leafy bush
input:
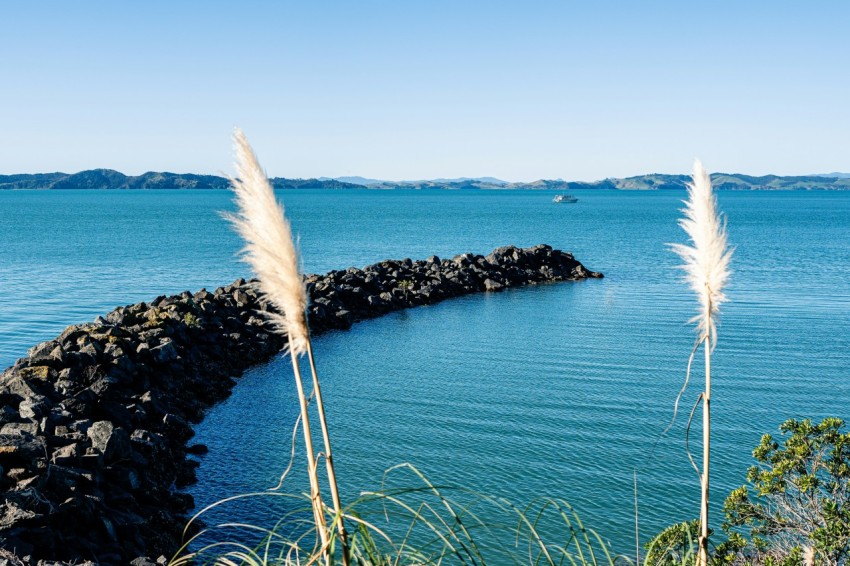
{"type": "Point", "coordinates": [798, 498]}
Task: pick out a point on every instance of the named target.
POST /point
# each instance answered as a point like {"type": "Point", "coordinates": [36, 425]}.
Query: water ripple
{"type": "Point", "coordinates": [556, 390]}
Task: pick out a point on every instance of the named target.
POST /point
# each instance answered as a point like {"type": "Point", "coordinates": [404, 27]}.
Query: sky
{"type": "Point", "coordinates": [416, 90]}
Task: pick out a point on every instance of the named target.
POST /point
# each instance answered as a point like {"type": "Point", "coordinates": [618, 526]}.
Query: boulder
{"type": "Point", "coordinates": [30, 428]}
{"type": "Point", "coordinates": [165, 352]}
{"type": "Point", "coordinates": [11, 515]}
{"type": "Point", "coordinates": [112, 442]}
{"type": "Point", "coordinates": [20, 448]}
{"type": "Point", "coordinates": [34, 407]}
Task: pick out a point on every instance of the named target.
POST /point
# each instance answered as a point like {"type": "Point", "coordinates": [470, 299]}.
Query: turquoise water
{"type": "Point", "coordinates": [557, 390]}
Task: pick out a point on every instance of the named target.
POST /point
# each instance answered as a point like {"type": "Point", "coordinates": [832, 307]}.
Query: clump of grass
{"type": "Point", "coordinates": [677, 544]}
{"type": "Point", "coordinates": [423, 524]}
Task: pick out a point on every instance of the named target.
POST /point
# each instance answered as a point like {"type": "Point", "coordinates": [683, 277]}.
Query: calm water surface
{"type": "Point", "coordinates": [558, 390]}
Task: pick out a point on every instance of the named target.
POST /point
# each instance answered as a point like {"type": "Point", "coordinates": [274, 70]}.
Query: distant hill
{"type": "Point", "coordinates": [109, 179]}
{"type": "Point", "coordinates": [353, 180]}
{"type": "Point", "coordinates": [720, 181]}
{"type": "Point", "coordinates": [468, 183]}
{"type": "Point", "coordinates": [27, 181]}
{"type": "Point", "coordinates": [836, 175]}
{"type": "Point", "coordinates": [651, 182]}
{"type": "Point", "coordinates": [367, 182]}
{"type": "Point", "coordinates": [282, 183]}
{"type": "Point", "coordinates": [488, 180]}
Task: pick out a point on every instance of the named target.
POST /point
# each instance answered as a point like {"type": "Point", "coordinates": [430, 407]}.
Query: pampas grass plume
{"type": "Point", "coordinates": [270, 251]}
{"type": "Point", "coordinates": [706, 261]}
{"type": "Point", "coordinates": [706, 271]}
{"type": "Point", "coordinates": [269, 247]}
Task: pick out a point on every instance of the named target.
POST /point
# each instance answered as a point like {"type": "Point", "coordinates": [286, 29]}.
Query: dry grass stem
{"type": "Point", "coordinates": [315, 493]}
{"type": "Point", "coordinates": [329, 463]}
{"type": "Point", "coordinates": [706, 266]}
{"type": "Point", "coordinates": [270, 251]}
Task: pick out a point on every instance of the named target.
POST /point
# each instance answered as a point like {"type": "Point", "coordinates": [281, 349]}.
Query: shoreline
{"type": "Point", "coordinates": [96, 424]}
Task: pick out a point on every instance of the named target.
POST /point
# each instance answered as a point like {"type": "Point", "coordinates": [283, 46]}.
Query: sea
{"type": "Point", "coordinates": [551, 392]}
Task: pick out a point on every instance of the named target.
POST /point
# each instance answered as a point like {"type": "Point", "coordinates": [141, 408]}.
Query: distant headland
{"type": "Point", "coordinates": [114, 180]}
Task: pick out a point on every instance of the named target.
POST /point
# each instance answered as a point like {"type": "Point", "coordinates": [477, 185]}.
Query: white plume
{"type": "Point", "coordinates": [707, 259]}
{"type": "Point", "coordinates": [269, 248]}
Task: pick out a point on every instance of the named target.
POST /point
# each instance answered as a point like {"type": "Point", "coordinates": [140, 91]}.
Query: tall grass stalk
{"type": "Point", "coordinates": [270, 250]}
{"type": "Point", "coordinates": [329, 463]}
{"type": "Point", "coordinates": [637, 525]}
{"type": "Point", "coordinates": [706, 266]}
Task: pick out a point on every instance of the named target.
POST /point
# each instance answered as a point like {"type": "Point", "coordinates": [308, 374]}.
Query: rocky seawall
{"type": "Point", "coordinates": [96, 425]}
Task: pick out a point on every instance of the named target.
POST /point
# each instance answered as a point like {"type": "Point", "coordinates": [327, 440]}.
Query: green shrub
{"type": "Point", "coordinates": [798, 497]}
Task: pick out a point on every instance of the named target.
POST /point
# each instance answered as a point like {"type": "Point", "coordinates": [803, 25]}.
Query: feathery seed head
{"type": "Point", "coordinates": [707, 259]}
{"type": "Point", "coordinates": [269, 248]}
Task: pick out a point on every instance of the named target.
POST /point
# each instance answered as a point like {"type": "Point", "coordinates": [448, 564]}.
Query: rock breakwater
{"type": "Point", "coordinates": [95, 425]}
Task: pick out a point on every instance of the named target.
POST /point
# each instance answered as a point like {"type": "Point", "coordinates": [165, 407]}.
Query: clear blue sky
{"type": "Point", "coordinates": [408, 90]}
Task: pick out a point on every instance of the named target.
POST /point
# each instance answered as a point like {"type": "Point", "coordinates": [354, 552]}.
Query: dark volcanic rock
{"type": "Point", "coordinates": [112, 442]}
{"type": "Point", "coordinates": [94, 424]}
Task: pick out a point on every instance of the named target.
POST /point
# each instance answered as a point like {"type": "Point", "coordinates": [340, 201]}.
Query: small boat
{"type": "Point", "coordinates": [565, 198]}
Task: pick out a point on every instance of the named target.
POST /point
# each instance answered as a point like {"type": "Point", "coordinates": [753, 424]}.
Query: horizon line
{"type": "Point", "coordinates": [832, 174]}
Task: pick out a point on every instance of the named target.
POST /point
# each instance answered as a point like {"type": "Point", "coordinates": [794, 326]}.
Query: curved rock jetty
{"type": "Point", "coordinates": [95, 425]}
